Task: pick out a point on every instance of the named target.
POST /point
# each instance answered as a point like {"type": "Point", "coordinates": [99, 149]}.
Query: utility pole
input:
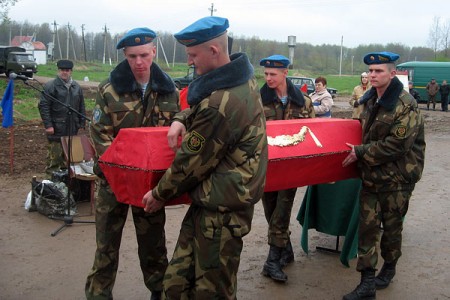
{"type": "Point", "coordinates": [73, 46]}
{"type": "Point", "coordinates": [352, 63]}
{"type": "Point", "coordinates": [104, 43]}
{"type": "Point", "coordinates": [84, 42]}
{"type": "Point", "coordinates": [340, 60]}
{"type": "Point", "coordinates": [8, 21]}
{"type": "Point", "coordinates": [174, 51]}
{"type": "Point", "coordinates": [68, 36]}
{"type": "Point", "coordinates": [158, 39]}
{"type": "Point", "coordinates": [117, 50]}
{"type": "Point", "coordinates": [55, 32]}
{"type": "Point", "coordinates": [212, 9]}
{"type": "Point", "coordinates": [157, 50]}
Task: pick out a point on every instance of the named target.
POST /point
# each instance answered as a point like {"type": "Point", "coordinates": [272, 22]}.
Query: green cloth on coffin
{"type": "Point", "coordinates": [332, 209]}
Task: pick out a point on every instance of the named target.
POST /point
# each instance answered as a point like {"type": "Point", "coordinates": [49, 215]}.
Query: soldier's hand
{"type": "Point", "coordinates": [177, 129]}
{"type": "Point", "coordinates": [50, 131]}
{"type": "Point", "coordinates": [151, 204]}
{"type": "Point", "coordinates": [351, 157]}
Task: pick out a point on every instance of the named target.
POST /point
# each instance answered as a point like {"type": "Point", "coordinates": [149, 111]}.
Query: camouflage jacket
{"type": "Point", "coordinates": [392, 154]}
{"type": "Point", "coordinates": [222, 161]}
{"type": "Point", "coordinates": [55, 114]}
{"type": "Point", "coordinates": [299, 105]}
{"type": "Point", "coordinates": [432, 88]}
{"type": "Point", "coordinates": [119, 104]}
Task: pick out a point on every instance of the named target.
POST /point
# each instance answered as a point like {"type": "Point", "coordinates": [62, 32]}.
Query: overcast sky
{"type": "Point", "coordinates": [312, 21]}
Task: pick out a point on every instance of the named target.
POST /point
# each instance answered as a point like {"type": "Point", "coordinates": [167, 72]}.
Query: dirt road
{"type": "Point", "coordinates": [36, 266]}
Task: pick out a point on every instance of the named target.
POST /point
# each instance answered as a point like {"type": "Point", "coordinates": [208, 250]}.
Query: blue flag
{"type": "Point", "coordinates": [7, 105]}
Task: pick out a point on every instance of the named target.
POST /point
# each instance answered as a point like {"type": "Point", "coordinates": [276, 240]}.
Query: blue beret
{"type": "Point", "coordinates": [377, 58]}
{"type": "Point", "coordinates": [202, 31]}
{"type": "Point", "coordinates": [65, 64]}
{"type": "Point", "coordinates": [275, 61]}
{"type": "Point", "coordinates": [136, 37]}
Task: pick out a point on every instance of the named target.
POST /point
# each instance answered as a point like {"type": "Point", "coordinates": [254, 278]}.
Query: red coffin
{"type": "Point", "coordinates": [138, 157]}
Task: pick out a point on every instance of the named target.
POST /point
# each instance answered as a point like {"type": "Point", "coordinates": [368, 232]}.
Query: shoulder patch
{"type": "Point", "coordinates": [195, 142]}
{"type": "Point", "coordinates": [96, 114]}
{"type": "Point", "coordinates": [406, 98]}
{"type": "Point", "coordinates": [400, 131]}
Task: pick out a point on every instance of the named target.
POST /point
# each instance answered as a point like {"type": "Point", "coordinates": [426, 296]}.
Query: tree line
{"type": "Point", "coordinates": [439, 37]}
{"type": "Point", "coordinates": [70, 43]}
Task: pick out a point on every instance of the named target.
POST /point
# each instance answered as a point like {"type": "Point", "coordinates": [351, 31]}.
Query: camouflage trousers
{"type": "Point", "coordinates": [207, 255]}
{"type": "Point", "coordinates": [110, 217]}
{"type": "Point", "coordinates": [55, 158]}
{"type": "Point", "coordinates": [431, 99]}
{"type": "Point", "coordinates": [376, 208]}
{"type": "Point", "coordinates": [277, 209]}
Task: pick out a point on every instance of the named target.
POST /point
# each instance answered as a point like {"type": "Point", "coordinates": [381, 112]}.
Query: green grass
{"type": "Point", "coordinates": [98, 72]}
{"type": "Point", "coordinates": [94, 71]}
{"type": "Point", "coordinates": [26, 98]}
{"type": "Point", "coordinates": [344, 84]}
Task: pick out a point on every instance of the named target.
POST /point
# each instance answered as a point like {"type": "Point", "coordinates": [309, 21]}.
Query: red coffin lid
{"type": "Point", "coordinates": [333, 134]}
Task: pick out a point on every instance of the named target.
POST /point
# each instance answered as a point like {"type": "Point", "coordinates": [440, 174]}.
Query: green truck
{"type": "Point", "coordinates": [16, 60]}
{"type": "Point", "coordinates": [421, 72]}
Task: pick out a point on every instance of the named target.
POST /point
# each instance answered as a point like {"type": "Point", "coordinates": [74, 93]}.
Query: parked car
{"type": "Point", "coordinates": [182, 82]}
{"type": "Point", "coordinates": [300, 81]}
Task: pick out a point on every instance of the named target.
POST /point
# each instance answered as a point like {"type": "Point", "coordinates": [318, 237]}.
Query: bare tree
{"type": "Point", "coordinates": [4, 7]}
{"type": "Point", "coordinates": [445, 36]}
{"type": "Point", "coordinates": [435, 35]}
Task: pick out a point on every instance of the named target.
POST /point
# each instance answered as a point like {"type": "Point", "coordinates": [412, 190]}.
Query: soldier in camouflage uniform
{"type": "Point", "coordinates": [55, 116]}
{"type": "Point", "coordinates": [137, 94]}
{"type": "Point", "coordinates": [221, 163]}
{"type": "Point", "coordinates": [432, 90]}
{"type": "Point", "coordinates": [390, 160]}
{"type": "Point", "coordinates": [282, 101]}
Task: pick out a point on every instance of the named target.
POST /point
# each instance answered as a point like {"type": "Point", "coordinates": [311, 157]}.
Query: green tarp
{"type": "Point", "coordinates": [332, 209]}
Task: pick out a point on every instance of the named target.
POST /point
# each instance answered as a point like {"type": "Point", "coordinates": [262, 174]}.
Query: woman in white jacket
{"type": "Point", "coordinates": [322, 99]}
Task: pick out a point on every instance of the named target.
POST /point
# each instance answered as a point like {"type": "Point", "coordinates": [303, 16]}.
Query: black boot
{"type": "Point", "coordinates": [385, 276]}
{"type": "Point", "coordinates": [156, 295]}
{"type": "Point", "coordinates": [272, 267]}
{"type": "Point", "coordinates": [287, 255]}
{"type": "Point", "coordinates": [366, 289]}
